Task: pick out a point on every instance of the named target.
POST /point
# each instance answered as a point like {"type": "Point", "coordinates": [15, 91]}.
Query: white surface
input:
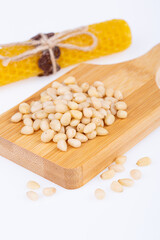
{"type": "Point", "coordinates": [76, 214]}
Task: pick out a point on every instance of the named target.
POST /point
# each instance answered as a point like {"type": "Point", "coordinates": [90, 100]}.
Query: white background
{"type": "Point", "coordinates": [76, 214]}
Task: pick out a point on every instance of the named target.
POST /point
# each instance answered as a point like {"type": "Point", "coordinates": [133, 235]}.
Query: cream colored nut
{"type": "Point", "coordinates": [105, 104]}
{"type": "Point", "coordinates": [74, 143]}
{"type": "Point", "coordinates": [55, 125]}
{"type": "Point", "coordinates": [97, 121]}
{"type": "Point", "coordinates": [85, 86]}
{"type": "Point", "coordinates": [85, 120]}
{"type": "Point", "coordinates": [72, 105]}
{"type": "Point", "coordinates": [101, 131]}
{"type": "Point", "coordinates": [44, 124]}
{"type": "Point", "coordinates": [76, 114]}
{"type": "Point", "coordinates": [27, 130]}
{"type": "Point", "coordinates": [49, 191]}
{"type": "Point", "coordinates": [56, 85]}
{"type": "Point", "coordinates": [97, 114]}
{"type": "Point", "coordinates": [113, 109]}
{"type": "Point", "coordinates": [45, 98]}
{"type": "Point", "coordinates": [135, 174]}
{"type": "Point", "coordinates": [102, 123]}
{"type": "Point", "coordinates": [26, 116]}
{"type": "Point", "coordinates": [24, 108]}
{"type": "Point", "coordinates": [65, 119]}
{"type": "Point", "coordinates": [87, 112]}
{"type": "Point", "coordinates": [17, 117]}
{"type": "Point", "coordinates": [109, 92]}
{"type": "Point", "coordinates": [49, 109]}
{"type": "Point", "coordinates": [36, 108]}
{"type": "Point", "coordinates": [98, 83]}
{"type": "Point", "coordinates": [62, 90]}
{"type": "Point", "coordinates": [33, 185]}
{"type": "Point", "coordinates": [62, 145]}
{"type": "Point", "coordinates": [103, 112]}
{"type": "Point", "coordinates": [101, 90]}
{"type": "Point", "coordinates": [62, 130]}
{"type": "Point", "coordinates": [127, 182]}
{"type": "Point", "coordinates": [110, 100]}
{"type": "Point", "coordinates": [71, 132]}
{"type": "Point", "coordinates": [89, 128]}
{"type": "Point", "coordinates": [92, 92]}
{"type": "Point", "coordinates": [41, 114]}
{"type": "Point", "coordinates": [116, 187]}
{"type": "Point", "coordinates": [121, 114]}
{"type": "Point", "coordinates": [110, 119]}
{"type": "Point", "coordinates": [121, 160]}
{"type": "Point", "coordinates": [108, 174]}
{"type": "Point", "coordinates": [61, 108]}
{"type": "Point", "coordinates": [36, 124]}
{"type": "Point", "coordinates": [80, 127]}
{"type": "Point", "coordinates": [70, 80]}
{"type": "Point", "coordinates": [118, 95]}
{"type": "Point", "coordinates": [145, 161]}
{"type": "Point", "coordinates": [75, 88]}
{"type": "Point", "coordinates": [79, 97]}
{"type": "Point", "coordinates": [117, 167]}
{"type": "Point", "coordinates": [83, 105]}
{"type": "Point", "coordinates": [96, 103]}
{"type": "Point", "coordinates": [28, 122]}
{"type": "Point", "coordinates": [47, 135]}
{"type": "Point", "coordinates": [91, 135]}
{"type": "Point", "coordinates": [81, 137]}
{"type": "Point", "coordinates": [59, 136]}
{"type": "Point", "coordinates": [68, 96]}
{"type": "Point", "coordinates": [51, 116]}
{"type": "Point", "coordinates": [34, 116]}
{"type": "Point", "coordinates": [99, 194]}
{"type": "Point", "coordinates": [58, 116]}
{"type": "Point", "coordinates": [51, 91]}
{"type": "Point", "coordinates": [74, 122]}
{"type": "Point", "coordinates": [48, 103]}
{"type": "Point", "coordinates": [32, 195]}
{"type": "Point", "coordinates": [121, 105]}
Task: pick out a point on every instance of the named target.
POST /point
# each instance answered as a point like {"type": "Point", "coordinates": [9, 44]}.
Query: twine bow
{"type": "Point", "coordinates": [48, 43]}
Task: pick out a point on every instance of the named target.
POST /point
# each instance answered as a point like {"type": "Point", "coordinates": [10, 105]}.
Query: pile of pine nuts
{"type": "Point", "coordinates": [73, 114]}
{"type": "Point", "coordinates": [117, 186]}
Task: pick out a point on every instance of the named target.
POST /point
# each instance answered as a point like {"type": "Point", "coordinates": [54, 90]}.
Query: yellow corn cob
{"type": "Point", "coordinates": [113, 36]}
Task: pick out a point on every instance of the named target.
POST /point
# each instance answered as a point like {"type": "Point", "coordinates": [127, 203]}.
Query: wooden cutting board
{"type": "Point", "coordinates": [74, 168]}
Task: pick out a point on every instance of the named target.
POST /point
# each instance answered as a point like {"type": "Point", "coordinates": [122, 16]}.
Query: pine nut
{"type": "Point", "coordinates": [118, 95]}
{"type": "Point", "coordinates": [85, 120]}
{"type": "Point", "coordinates": [61, 108]}
{"type": "Point", "coordinates": [65, 119]}
{"type": "Point", "coordinates": [110, 119]}
{"type": "Point", "coordinates": [87, 112]}
{"type": "Point", "coordinates": [135, 174]}
{"type": "Point", "coordinates": [108, 174]}
{"type": "Point", "coordinates": [98, 83]}
{"type": "Point", "coordinates": [109, 92]}
{"type": "Point", "coordinates": [41, 114]}
{"type": "Point", "coordinates": [103, 112]}
{"type": "Point", "coordinates": [72, 105]}
{"type": "Point", "coordinates": [49, 109]}
{"type": "Point", "coordinates": [121, 114]}
{"type": "Point", "coordinates": [99, 194]}
{"type": "Point", "coordinates": [110, 100]}
{"type": "Point", "coordinates": [96, 103]}
{"type": "Point", "coordinates": [116, 187]}
{"type": "Point", "coordinates": [58, 116]}
{"type": "Point", "coordinates": [81, 137]}
{"type": "Point", "coordinates": [51, 92]}
{"type": "Point", "coordinates": [45, 98]}
{"type": "Point", "coordinates": [71, 132]}
{"type": "Point", "coordinates": [51, 116]}
{"type": "Point", "coordinates": [97, 121]}
{"type": "Point", "coordinates": [121, 160]}
{"type": "Point", "coordinates": [27, 130]}
{"type": "Point", "coordinates": [79, 97]}
{"type": "Point", "coordinates": [76, 114]}
{"type": "Point", "coordinates": [89, 128]}
{"type": "Point", "coordinates": [121, 105]}
{"type": "Point", "coordinates": [80, 127]}
{"type": "Point", "coordinates": [74, 143]}
{"type": "Point", "coordinates": [117, 167]}
{"type": "Point", "coordinates": [70, 80]}
{"type": "Point", "coordinates": [44, 125]}
{"type": "Point", "coordinates": [62, 90]}
{"type": "Point", "coordinates": [74, 122]}
{"type": "Point", "coordinates": [113, 109]}
{"type": "Point", "coordinates": [36, 107]}
{"type": "Point", "coordinates": [85, 87]}
{"type": "Point", "coordinates": [36, 124]}
{"type": "Point", "coordinates": [68, 96]}
{"type": "Point", "coordinates": [101, 131]}
{"type": "Point", "coordinates": [24, 108]}
{"type": "Point", "coordinates": [47, 135]}
{"type": "Point", "coordinates": [62, 130]}
{"type": "Point", "coordinates": [75, 88]}
{"type": "Point", "coordinates": [55, 125]}
{"type": "Point", "coordinates": [28, 122]}
{"type": "Point", "coordinates": [56, 85]}
{"type": "Point", "coordinates": [91, 135]}
{"type": "Point", "coordinates": [59, 136]}
{"type": "Point", "coordinates": [49, 191]}
{"type": "Point", "coordinates": [127, 182]}
{"type": "Point", "coordinates": [32, 195]}
{"type": "Point", "coordinates": [62, 145]}
{"type": "Point", "coordinates": [34, 116]}
{"type": "Point", "coordinates": [92, 92]}
{"type": "Point", "coordinates": [17, 117]}
{"type": "Point", "coordinates": [145, 161]}
{"type": "Point", "coordinates": [33, 185]}
{"type": "Point", "coordinates": [26, 116]}
{"type": "Point", "coordinates": [48, 103]}
{"type": "Point", "coordinates": [101, 90]}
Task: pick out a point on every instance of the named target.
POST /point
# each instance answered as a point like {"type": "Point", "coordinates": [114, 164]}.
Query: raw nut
{"type": "Point", "coordinates": [49, 191]}
{"type": "Point", "coordinates": [117, 167]}
{"type": "Point", "coordinates": [91, 135]}
{"type": "Point", "coordinates": [47, 135]}
{"type": "Point", "coordinates": [55, 125]}
{"type": "Point", "coordinates": [28, 122]}
{"type": "Point", "coordinates": [72, 105]}
{"type": "Point", "coordinates": [92, 92]}
{"type": "Point", "coordinates": [99, 194]}
{"type": "Point", "coordinates": [24, 108]}
{"type": "Point", "coordinates": [41, 114]}
{"type": "Point", "coordinates": [61, 108]}
{"type": "Point", "coordinates": [44, 125]}
{"type": "Point", "coordinates": [89, 128]}
{"type": "Point", "coordinates": [80, 127]}
{"type": "Point", "coordinates": [85, 86]}
{"type": "Point", "coordinates": [108, 174]}
{"type": "Point", "coordinates": [121, 160]}
{"type": "Point", "coordinates": [79, 97]}
{"type": "Point", "coordinates": [135, 174]}
{"type": "Point", "coordinates": [36, 107]}
{"type": "Point", "coordinates": [76, 114]}
{"type": "Point", "coordinates": [71, 132]}
{"type": "Point", "coordinates": [58, 116]}
{"type": "Point", "coordinates": [62, 145]}
{"type": "Point", "coordinates": [121, 114]}
{"type": "Point", "coordinates": [81, 137]}
{"type": "Point", "coordinates": [74, 122]}
{"type": "Point", "coordinates": [98, 83]}
{"type": "Point", "coordinates": [96, 103]}
{"type": "Point", "coordinates": [118, 95]}
{"type": "Point", "coordinates": [116, 186]}
{"type": "Point", "coordinates": [36, 124]}
{"type": "Point", "coordinates": [26, 116]}
{"type": "Point", "coordinates": [121, 105]}
{"type": "Point", "coordinates": [127, 182]}
{"type": "Point", "coordinates": [85, 120]}
{"type": "Point", "coordinates": [70, 80]}
{"type": "Point", "coordinates": [33, 185]}
{"type": "Point", "coordinates": [17, 117]}
{"type": "Point", "coordinates": [87, 112]}
{"type": "Point", "coordinates": [65, 119]}
{"type": "Point", "coordinates": [109, 92]}
{"type": "Point", "coordinates": [27, 130]}
{"type": "Point", "coordinates": [145, 161]}
{"type": "Point", "coordinates": [74, 143]}
{"type": "Point", "coordinates": [109, 120]}
{"type": "Point", "coordinates": [32, 195]}
{"type": "Point", "coordinates": [59, 136]}
{"type": "Point", "coordinates": [56, 85]}
{"type": "Point", "coordinates": [49, 109]}
{"type": "Point", "coordinates": [101, 131]}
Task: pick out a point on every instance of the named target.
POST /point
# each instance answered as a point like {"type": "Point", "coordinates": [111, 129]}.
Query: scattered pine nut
{"type": "Point", "coordinates": [24, 108]}
{"type": "Point", "coordinates": [32, 195]}
{"type": "Point", "coordinates": [108, 174]}
{"type": "Point", "coordinates": [62, 145]}
{"type": "Point", "coordinates": [121, 114]}
{"type": "Point", "coordinates": [127, 182]}
{"type": "Point", "coordinates": [116, 186]}
{"type": "Point", "coordinates": [121, 160]}
{"type": "Point", "coordinates": [74, 143]}
{"type": "Point", "coordinates": [135, 174]}
{"type": "Point", "coordinates": [27, 130]}
{"type": "Point", "coordinates": [145, 161]}
{"type": "Point", "coordinates": [17, 117]}
{"type": "Point", "coordinates": [33, 185]}
{"type": "Point", "coordinates": [117, 167]}
{"type": "Point", "coordinates": [99, 194]}
{"type": "Point", "coordinates": [49, 191]}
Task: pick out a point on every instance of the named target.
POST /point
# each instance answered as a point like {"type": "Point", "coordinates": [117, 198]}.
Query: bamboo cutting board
{"type": "Point", "coordinates": [74, 168]}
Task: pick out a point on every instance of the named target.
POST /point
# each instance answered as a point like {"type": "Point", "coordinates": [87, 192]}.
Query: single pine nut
{"type": "Point", "coordinates": [92, 92]}
{"type": "Point", "coordinates": [110, 100]}
{"type": "Point", "coordinates": [101, 131]}
{"type": "Point", "coordinates": [96, 103]}
{"type": "Point", "coordinates": [135, 174]}
{"type": "Point", "coordinates": [41, 114]}
{"type": "Point", "coordinates": [127, 182]}
{"type": "Point", "coordinates": [17, 117]}
{"type": "Point", "coordinates": [85, 86]}
{"type": "Point", "coordinates": [61, 108]}
{"type": "Point", "coordinates": [76, 114]}
{"type": "Point", "coordinates": [79, 97]}
{"type": "Point", "coordinates": [34, 116]}
{"type": "Point", "coordinates": [62, 145]}
{"type": "Point", "coordinates": [47, 135]}
{"type": "Point", "coordinates": [62, 90]}
{"type": "Point", "coordinates": [45, 98]}
{"type": "Point", "coordinates": [36, 107]}
{"type": "Point", "coordinates": [109, 119]}
{"type": "Point", "coordinates": [44, 124]}
{"type": "Point", "coordinates": [103, 112]}
{"type": "Point", "coordinates": [116, 187]}
{"type": "Point", "coordinates": [97, 121]}
{"type": "Point", "coordinates": [65, 119]}
{"type": "Point", "coordinates": [108, 174]}
{"type": "Point", "coordinates": [80, 127]}
{"type": "Point", "coordinates": [89, 128]}
{"type": "Point", "coordinates": [71, 132]}
{"type": "Point", "coordinates": [101, 90]}
{"type": "Point", "coordinates": [59, 136]}
{"type": "Point", "coordinates": [74, 122]}
{"type": "Point", "coordinates": [81, 137]}
{"type": "Point", "coordinates": [56, 85]}
{"type": "Point", "coordinates": [62, 130]}
{"type": "Point", "coordinates": [97, 114]}
{"type": "Point", "coordinates": [91, 135]}
{"type": "Point", "coordinates": [36, 124]}
{"type": "Point", "coordinates": [105, 104]}
{"type": "Point", "coordinates": [24, 108]}
{"type": "Point", "coordinates": [87, 112]}
{"type": "Point", "coordinates": [51, 92]}
{"type": "Point", "coordinates": [49, 109]}
{"type": "Point", "coordinates": [98, 83]}
{"type": "Point", "coordinates": [83, 105]}
{"type": "Point", "coordinates": [85, 120]}
{"type": "Point", "coordinates": [49, 191]}
{"type": "Point", "coordinates": [51, 116]}
{"type": "Point", "coordinates": [118, 95]}
{"type": "Point", "coordinates": [121, 105]}
{"type": "Point", "coordinates": [72, 105]}
{"type": "Point", "coordinates": [121, 160]}
{"type": "Point", "coordinates": [113, 109]}
{"type": "Point", "coordinates": [75, 88]}
{"type": "Point", "coordinates": [58, 116]}
{"type": "Point", "coordinates": [74, 143]}
{"type": "Point", "coordinates": [33, 185]}
{"type": "Point", "coordinates": [70, 80]}
{"type": "Point", "coordinates": [28, 122]}
{"type": "Point", "coordinates": [145, 161]}
{"type": "Point", "coordinates": [32, 195]}
{"type": "Point", "coordinates": [27, 130]}
{"type": "Point", "coordinates": [99, 194]}
{"type": "Point", "coordinates": [55, 125]}
{"type": "Point", "coordinates": [26, 116]}
{"type": "Point", "coordinates": [121, 114]}
{"type": "Point", "coordinates": [68, 96]}
{"type": "Point", "coordinates": [117, 167]}
{"type": "Point", "coordinates": [109, 92]}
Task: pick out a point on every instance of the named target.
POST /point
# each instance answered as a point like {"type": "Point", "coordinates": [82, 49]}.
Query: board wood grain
{"type": "Point", "coordinates": [74, 168]}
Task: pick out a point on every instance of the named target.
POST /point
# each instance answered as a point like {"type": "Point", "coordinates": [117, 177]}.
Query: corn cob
{"type": "Point", "coordinates": [113, 36]}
